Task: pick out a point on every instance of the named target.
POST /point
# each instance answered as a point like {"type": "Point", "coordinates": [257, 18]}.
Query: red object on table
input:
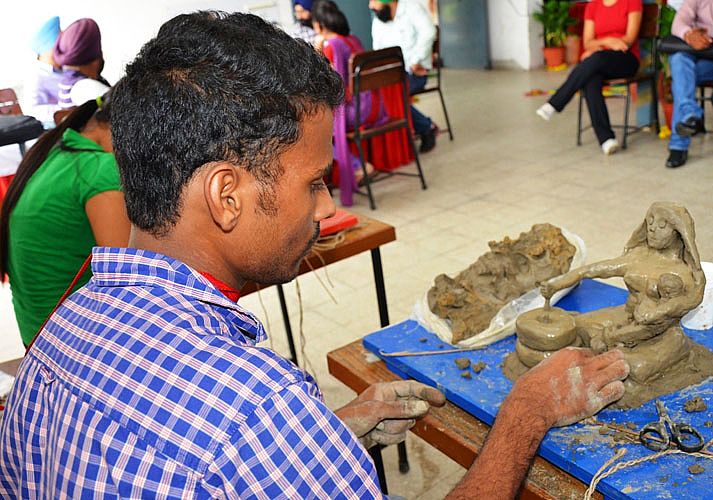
{"type": "Point", "coordinates": [338, 222]}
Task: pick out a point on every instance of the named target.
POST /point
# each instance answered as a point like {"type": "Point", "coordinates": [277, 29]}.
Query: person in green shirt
{"type": "Point", "coordinates": [65, 198]}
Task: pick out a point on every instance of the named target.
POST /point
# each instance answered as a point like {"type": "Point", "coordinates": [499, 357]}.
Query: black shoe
{"type": "Point", "coordinates": [689, 127]}
{"type": "Point", "coordinates": [676, 158]}
{"type": "Point", "coordinates": [428, 140]}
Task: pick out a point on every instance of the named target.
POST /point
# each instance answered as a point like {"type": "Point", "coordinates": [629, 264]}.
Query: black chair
{"type": "Point", "coordinates": [373, 70]}
{"type": "Point", "coordinates": [649, 31]}
{"type": "Point", "coordinates": [436, 74]}
{"type": "Point", "coordinates": [15, 128]}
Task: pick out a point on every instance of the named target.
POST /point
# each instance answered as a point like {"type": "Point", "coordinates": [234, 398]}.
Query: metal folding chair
{"type": "Point", "coordinates": [373, 70]}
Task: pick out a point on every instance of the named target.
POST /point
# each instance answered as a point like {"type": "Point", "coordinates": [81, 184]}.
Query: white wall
{"type": "Point", "coordinates": [125, 26]}
{"type": "Point", "coordinates": [515, 37]}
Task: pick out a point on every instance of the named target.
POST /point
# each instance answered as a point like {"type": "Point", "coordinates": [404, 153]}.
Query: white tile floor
{"type": "Point", "coordinates": [506, 170]}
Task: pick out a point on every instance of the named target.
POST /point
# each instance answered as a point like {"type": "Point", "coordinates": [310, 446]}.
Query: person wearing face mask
{"type": "Point", "coordinates": [407, 24]}
{"type": "Point", "coordinates": [303, 28]}
{"type": "Point", "coordinates": [78, 51]}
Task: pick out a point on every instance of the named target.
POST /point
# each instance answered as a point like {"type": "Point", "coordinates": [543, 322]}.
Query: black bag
{"type": "Point", "coordinates": [17, 129]}
{"type": "Point", "coordinates": [670, 44]}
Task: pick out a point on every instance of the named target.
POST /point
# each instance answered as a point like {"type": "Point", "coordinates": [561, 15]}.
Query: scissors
{"type": "Point", "coordinates": [658, 436]}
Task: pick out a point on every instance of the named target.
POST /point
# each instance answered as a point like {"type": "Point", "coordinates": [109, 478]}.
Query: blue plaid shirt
{"type": "Point", "coordinates": [147, 383]}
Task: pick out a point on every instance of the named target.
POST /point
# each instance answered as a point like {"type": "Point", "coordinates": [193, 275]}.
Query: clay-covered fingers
{"type": "Point", "coordinates": [383, 438]}
{"type": "Point", "coordinates": [611, 392]}
{"type": "Point", "coordinates": [395, 426]}
{"type": "Point", "coordinates": [409, 389]}
{"type": "Point", "coordinates": [605, 368]}
{"type": "Point", "coordinates": [399, 409]}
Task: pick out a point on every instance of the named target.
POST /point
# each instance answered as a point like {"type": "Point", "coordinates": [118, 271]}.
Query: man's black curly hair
{"type": "Point", "coordinates": [212, 87]}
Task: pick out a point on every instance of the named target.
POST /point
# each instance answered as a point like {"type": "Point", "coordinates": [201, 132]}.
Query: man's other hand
{"type": "Point", "coordinates": [383, 413]}
{"type": "Point", "coordinates": [571, 385]}
{"type": "Point", "coordinates": [698, 38]}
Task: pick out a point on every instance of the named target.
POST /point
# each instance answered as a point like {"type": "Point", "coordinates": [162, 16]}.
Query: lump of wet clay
{"type": "Point", "coordinates": [479, 367]}
{"type": "Point", "coordinates": [511, 267]}
{"type": "Point", "coordinates": [466, 374]}
{"type": "Point", "coordinates": [462, 363]}
{"type": "Point", "coordinates": [696, 469]}
{"type": "Point", "coordinates": [695, 405]}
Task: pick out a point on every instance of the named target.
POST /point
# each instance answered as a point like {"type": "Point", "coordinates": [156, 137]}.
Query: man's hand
{"type": "Point", "coordinates": [698, 38]}
{"type": "Point", "coordinates": [383, 413]}
{"type": "Point", "coordinates": [571, 385]}
{"type": "Point", "coordinates": [418, 70]}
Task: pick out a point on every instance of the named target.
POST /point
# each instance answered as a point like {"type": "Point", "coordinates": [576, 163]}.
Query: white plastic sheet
{"type": "Point", "coordinates": [701, 318]}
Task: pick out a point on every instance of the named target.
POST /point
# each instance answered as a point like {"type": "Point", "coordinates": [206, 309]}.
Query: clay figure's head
{"type": "Point", "coordinates": [669, 286]}
{"type": "Point", "coordinates": [668, 225]}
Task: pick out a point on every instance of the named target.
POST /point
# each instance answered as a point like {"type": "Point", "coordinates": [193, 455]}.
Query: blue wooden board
{"type": "Point", "coordinates": [578, 449]}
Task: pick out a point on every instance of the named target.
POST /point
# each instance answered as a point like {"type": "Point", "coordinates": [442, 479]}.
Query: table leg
{"type": "Point", "coordinates": [288, 326]}
{"type": "Point", "coordinates": [375, 452]}
{"type": "Point", "coordinates": [380, 288]}
{"type": "Point", "coordinates": [384, 318]}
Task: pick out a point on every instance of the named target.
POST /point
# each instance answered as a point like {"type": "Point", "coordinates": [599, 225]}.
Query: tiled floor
{"type": "Point", "coordinates": [506, 170]}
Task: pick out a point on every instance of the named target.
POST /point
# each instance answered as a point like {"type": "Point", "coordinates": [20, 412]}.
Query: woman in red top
{"type": "Point", "coordinates": [611, 50]}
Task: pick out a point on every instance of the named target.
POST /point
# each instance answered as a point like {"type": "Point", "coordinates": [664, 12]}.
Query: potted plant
{"type": "Point", "coordinates": [555, 19]}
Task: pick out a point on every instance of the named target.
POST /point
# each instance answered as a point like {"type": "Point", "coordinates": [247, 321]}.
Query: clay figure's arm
{"type": "Point", "coordinates": [570, 385]}
{"type": "Point", "coordinates": [604, 269]}
{"type": "Point", "coordinates": [383, 413]}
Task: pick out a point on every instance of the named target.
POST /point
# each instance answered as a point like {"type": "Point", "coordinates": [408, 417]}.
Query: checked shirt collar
{"type": "Point", "coordinates": [126, 267]}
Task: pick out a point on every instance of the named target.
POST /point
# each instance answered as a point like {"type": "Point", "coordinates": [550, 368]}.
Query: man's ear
{"type": "Point", "coordinates": [221, 190]}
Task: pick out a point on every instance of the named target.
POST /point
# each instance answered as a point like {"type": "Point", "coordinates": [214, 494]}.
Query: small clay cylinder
{"type": "Point", "coordinates": [546, 330]}
{"type": "Point", "coordinates": [530, 357]}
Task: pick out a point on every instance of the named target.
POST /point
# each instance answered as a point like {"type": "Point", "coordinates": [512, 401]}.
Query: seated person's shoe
{"type": "Point", "coordinates": [689, 127]}
{"type": "Point", "coordinates": [676, 158]}
{"type": "Point", "coordinates": [610, 146]}
{"type": "Point", "coordinates": [428, 140]}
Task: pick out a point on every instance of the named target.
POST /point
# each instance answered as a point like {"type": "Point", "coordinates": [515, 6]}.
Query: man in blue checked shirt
{"type": "Point", "coordinates": [148, 383]}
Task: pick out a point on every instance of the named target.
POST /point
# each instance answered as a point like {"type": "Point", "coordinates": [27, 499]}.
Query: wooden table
{"type": "Point", "coordinates": [451, 430]}
{"type": "Point", "coordinates": [369, 235]}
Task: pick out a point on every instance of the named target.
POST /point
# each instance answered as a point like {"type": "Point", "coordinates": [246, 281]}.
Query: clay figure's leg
{"type": "Point", "coordinates": [652, 357]}
{"type": "Point", "coordinates": [591, 326]}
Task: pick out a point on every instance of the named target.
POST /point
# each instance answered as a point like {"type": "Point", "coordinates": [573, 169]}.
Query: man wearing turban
{"type": "Point", "coordinates": [303, 29]}
{"type": "Point", "coordinates": [42, 87]}
{"type": "Point", "coordinates": [79, 51]}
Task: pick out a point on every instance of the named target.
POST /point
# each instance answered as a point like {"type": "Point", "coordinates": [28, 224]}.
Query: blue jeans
{"type": "Point", "coordinates": [421, 123]}
{"type": "Point", "coordinates": [687, 71]}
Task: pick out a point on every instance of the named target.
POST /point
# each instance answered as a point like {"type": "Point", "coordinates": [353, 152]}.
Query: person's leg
{"type": "Point", "coordinates": [576, 80]}
{"type": "Point", "coordinates": [421, 123]}
{"type": "Point", "coordinates": [612, 64]}
{"type": "Point", "coordinates": [416, 82]}
{"type": "Point", "coordinates": [683, 87]}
